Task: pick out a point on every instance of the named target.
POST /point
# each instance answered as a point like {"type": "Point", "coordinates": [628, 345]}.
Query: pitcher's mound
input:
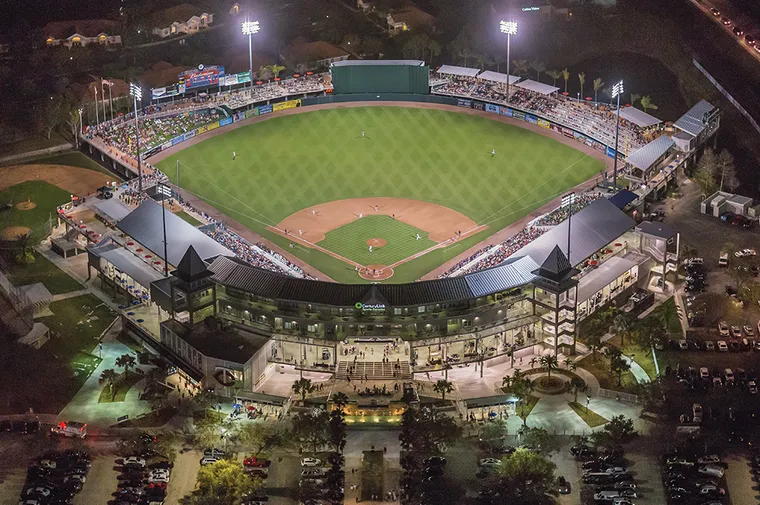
{"type": "Point", "coordinates": [376, 242]}
{"type": "Point", "coordinates": [376, 272]}
{"type": "Point", "coordinates": [14, 232]}
{"type": "Point", "coordinates": [26, 205]}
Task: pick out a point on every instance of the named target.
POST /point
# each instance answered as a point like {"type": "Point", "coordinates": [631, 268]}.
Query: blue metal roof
{"type": "Point", "coordinates": [622, 198]}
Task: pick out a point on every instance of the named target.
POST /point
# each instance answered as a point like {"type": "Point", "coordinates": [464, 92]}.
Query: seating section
{"type": "Point", "coordinates": [374, 370]}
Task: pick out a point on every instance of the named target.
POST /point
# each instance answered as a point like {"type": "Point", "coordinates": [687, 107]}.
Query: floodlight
{"type": "Point", "coordinates": [617, 89]}
{"type": "Point", "coordinates": [508, 27]}
{"type": "Point", "coordinates": [567, 199]}
{"type": "Point", "coordinates": [135, 91]}
{"type": "Point", "coordinates": [250, 27]}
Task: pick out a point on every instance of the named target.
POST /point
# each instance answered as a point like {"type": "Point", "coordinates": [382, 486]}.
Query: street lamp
{"type": "Point", "coordinates": [509, 28]}
{"type": "Point", "coordinates": [588, 400]}
{"type": "Point", "coordinates": [250, 28]}
{"type": "Point", "coordinates": [617, 90]}
{"type": "Point", "coordinates": [567, 201]}
{"type": "Point", "coordinates": [136, 92]}
{"type": "Point", "coordinates": [164, 191]}
{"type": "Point", "coordinates": [81, 125]}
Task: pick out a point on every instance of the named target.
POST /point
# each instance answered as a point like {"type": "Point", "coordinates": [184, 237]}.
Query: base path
{"type": "Point", "coordinates": [75, 180]}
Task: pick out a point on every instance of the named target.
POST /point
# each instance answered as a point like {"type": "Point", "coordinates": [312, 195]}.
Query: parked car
{"type": "Point", "coordinates": [723, 329]}
{"type": "Point", "coordinates": [715, 12]}
{"type": "Point", "coordinates": [311, 462]}
{"type": "Point", "coordinates": [563, 486]}
{"type": "Point", "coordinates": [752, 387]}
{"type": "Point", "coordinates": [208, 460]}
{"type": "Point", "coordinates": [711, 470]}
{"type": "Point", "coordinates": [722, 346]}
{"type": "Point", "coordinates": [709, 459]}
{"type": "Point", "coordinates": [489, 462]}
{"type": "Point", "coordinates": [134, 461]}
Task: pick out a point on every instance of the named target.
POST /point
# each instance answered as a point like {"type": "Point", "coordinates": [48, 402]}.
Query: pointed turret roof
{"type": "Point", "coordinates": [556, 267]}
{"type": "Point", "coordinates": [374, 297]}
{"type": "Point", "coordinates": [191, 267]}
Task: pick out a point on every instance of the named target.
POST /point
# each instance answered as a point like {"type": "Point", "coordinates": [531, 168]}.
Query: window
{"type": "Point", "coordinates": [312, 328]}
{"type": "Point", "coordinates": [421, 309]}
{"type": "Point", "coordinates": [397, 310]}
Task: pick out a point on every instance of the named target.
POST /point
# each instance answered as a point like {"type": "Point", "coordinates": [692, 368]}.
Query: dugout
{"type": "Point", "coordinates": [380, 76]}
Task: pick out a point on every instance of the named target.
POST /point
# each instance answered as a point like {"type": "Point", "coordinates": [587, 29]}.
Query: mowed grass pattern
{"type": "Point", "coordinates": [292, 162]}
{"type": "Point", "coordinates": [350, 241]}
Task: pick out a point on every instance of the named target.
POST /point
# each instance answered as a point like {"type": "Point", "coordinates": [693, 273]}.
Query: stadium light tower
{"type": "Point", "coordinates": [250, 28]}
{"type": "Point", "coordinates": [136, 92]}
{"type": "Point", "coordinates": [617, 90]}
{"type": "Point", "coordinates": [508, 28]}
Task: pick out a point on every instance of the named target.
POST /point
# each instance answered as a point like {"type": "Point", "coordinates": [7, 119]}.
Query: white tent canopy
{"type": "Point", "coordinates": [460, 71]}
{"type": "Point", "coordinates": [537, 87]}
{"type": "Point", "coordinates": [489, 75]}
{"type": "Point", "coordinates": [638, 117]}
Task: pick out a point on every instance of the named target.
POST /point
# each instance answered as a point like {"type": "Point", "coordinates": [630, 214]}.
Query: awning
{"type": "Point", "coordinates": [132, 266]}
{"type": "Point", "coordinates": [622, 198]}
{"type": "Point", "coordinates": [597, 279]}
{"type": "Point", "coordinates": [537, 87]}
{"type": "Point", "coordinates": [261, 398]}
{"type": "Point", "coordinates": [460, 71]}
{"type": "Point", "coordinates": [489, 75]}
{"type": "Point", "coordinates": [638, 117]}
{"type": "Point", "coordinates": [489, 401]}
{"type": "Point", "coordinates": [112, 209]}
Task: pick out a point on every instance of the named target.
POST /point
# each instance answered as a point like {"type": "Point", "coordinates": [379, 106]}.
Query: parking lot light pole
{"type": "Point", "coordinates": [588, 400]}
{"type": "Point", "coordinates": [509, 28]}
{"type": "Point", "coordinates": [617, 90]}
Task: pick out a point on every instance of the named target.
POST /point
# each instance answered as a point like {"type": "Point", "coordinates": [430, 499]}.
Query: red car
{"type": "Point", "coordinates": [256, 462]}
{"type": "Point", "coordinates": [156, 485]}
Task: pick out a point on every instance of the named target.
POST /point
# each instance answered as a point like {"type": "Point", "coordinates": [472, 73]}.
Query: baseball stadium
{"type": "Point", "coordinates": [423, 215]}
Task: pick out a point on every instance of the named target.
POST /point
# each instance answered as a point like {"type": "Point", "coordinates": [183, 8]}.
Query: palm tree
{"type": "Point", "coordinates": [538, 66]}
{"type": "Point", "coordinates": [570, 364]}
{"type": "Point", "coordinates": [582, 80]}
{"type": "Point", "coordinates": [566, 76]}
{"type": "Point", "coordinates": [598, 84]}
{"type": "Point", "coordinates": [276, 69]}
{"type": "Point", "coordinates": [482, 60]}
{"type": "Point", "coordinates": [520, 67]}
{"type": "Point", "coordinates": [263, 70]}
{"type": "Point", "coordinates": [549, 361]}
{"type": "Point", "coordinates": [646, 103]}
{"type": "Point", "coordinates": [554, 74]}
{"type": "Point", "coordinates": [668, 315]}
{"type": "Point", "coordinates": [153, 377]}
{"type": "Point", "coordinates": [302, 387]}
{"type": "Point", "coordinates": [623, 324]}
{"type": "Point", "coordinates": [443, 386]}
{"type": "Point", "coordinates": [634, 98]}
{"type": "Point", "coordinates": [126, 361]}
{"type": "Point", "coordinates": [579, 386]}
{"type": "Point", "coordinates": [435, 49]}
{"type": "Point", "coordinates": [108, 376]}
{"type": "Point", "coordinates": [728, 248]}
{"type": "Point", "coordinates": [533, 361]}
{"type": "Point", "coordinates": [594, 342]}
{"type": "Point", "coordinates": [340, 400]}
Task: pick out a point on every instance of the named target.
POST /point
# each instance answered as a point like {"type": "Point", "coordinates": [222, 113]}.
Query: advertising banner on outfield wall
{"type": "Point", "coordinates": [530, 118]}
{"type": "Point", "coordinates": [505, 111]}
{"type": "Point", "coordinates": [518, 114]}
{"type": "Point", "coordinates": [177, 140]}
{"type": "Point", "coordinates": [292, 104]}
{"type": "Point", "coordinates": [239, 115]}
{"type": "Point", "coordinates": [225, 121]}
{"type": "Point", "coordinates": [478, 105]}
{"type": "Point", "coordinates": [212, 126]}
{"type": "Point", "coordinates": [461, 102]}
{"type": "Point", "coordinates": [556, 129]}
{"type": "Point", "coordinates": [610, 152]}
{"type": "Point", "coordinates": [568, 132]}
{"type": "Point", "coordinates": [189, 135]}
{"type": "Point", "coordinates": [252, 112]}
{"type": "Point", "coordinates": [265, 109]}
{"type": "Point", "coordinates": [201, 129]}
{"type": "Point", "coordinates": [166, 145]}
{"type": "Point", "coordinates": [543, 123]}
{"type": "Point", "coordinates": [492, 108]}
{"type": "Point", "coordinates": [151, 152]}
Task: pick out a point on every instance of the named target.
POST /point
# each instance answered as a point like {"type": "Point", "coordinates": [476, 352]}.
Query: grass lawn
{"type": "Point", "coordinates": [372, 475]}
{"type": "Point", "coordinates": [526, 408]}
{"type": "Point", "coordinates": [187, 217]}
{"type": "Point", "coordinates": [74, 159]}
{"type": "Point", "coordinates": [642, 356]}
{"type": "Point", "coordinates": [120, 388]}
{"type": "Point", "coordinates": [42, 270]}
{"type": "Point", "coordinates": [208, 415]}
{"type": "Point", "coordinates": [32, 144]}
{"type": "Point", "coordinates": [350, 241]}
{"type": "Point", "coordinates": [46, 196]}
{"type": "Point", "coordinates": [670, 304]}
{"type": "Point", "coordinates": [76, 325]}
{"type": "Point", "coordinates": [600, 368]}
{"type": "Point", "coordinates": [589, 416]}
{"type": "Point", "coordinates": [422, 154]}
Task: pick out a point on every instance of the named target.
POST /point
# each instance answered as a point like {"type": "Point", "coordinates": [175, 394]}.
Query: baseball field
{"type": "Point", "coordinates": [418, 185]}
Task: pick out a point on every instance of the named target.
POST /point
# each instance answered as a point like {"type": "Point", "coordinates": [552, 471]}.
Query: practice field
{"type": "Point", "coordinates": [291, 165]}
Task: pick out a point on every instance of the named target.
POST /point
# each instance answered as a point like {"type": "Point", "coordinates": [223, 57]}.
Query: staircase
{"type": "Point", "coordinates": [374, 370]}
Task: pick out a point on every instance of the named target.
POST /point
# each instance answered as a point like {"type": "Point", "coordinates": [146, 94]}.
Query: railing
{"type": "Point", "coordinates": [618, 395]}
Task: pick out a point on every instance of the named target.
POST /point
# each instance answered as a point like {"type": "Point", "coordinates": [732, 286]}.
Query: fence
{"type": "Point", "coordinates": [728, 95]}
{"type": "Point", "coordinates": [20, 303]}
{"type": "Point", "coordinates": [618, 395]}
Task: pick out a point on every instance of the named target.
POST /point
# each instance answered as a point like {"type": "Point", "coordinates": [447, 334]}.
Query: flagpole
{"type": "Point", "coordinates": [97, 118]}
{"type": "Point", "coordinates": [110, 98]}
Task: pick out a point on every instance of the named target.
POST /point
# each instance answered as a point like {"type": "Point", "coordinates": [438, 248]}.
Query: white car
{"type": "Point", "coordinates": [75, 478]}
{"type": "Point", "coordinates": [47, 463]}
{"type": "Point", "coordinates": [745, 252]}
{"type": "Point", "coordinates": [134, 461]}
{"type": "Point", "coordinates": [208, 460]}
{"type": "Point", "coordinates": [749, 331]}
{"type": "Point", "coordinates": [152, 479]}
{"type": "Point", "coordinates": [704, 373]}
{"type": "Point", "coordinates": [311, 462]}
{"type": "Point", "coordinates": [42, 491]}
{"type": "Point", "coordinates": [722, 346]}
{"type": "Point", "coordinates": [710, 489]}
{"type": "Point", "coordinates": [729, 375]}
{"type": "Point", "coordinates": [712, 470]}
{"type": "Point", "coordinates": [752, 387]}
{"type": "Point", "coordinates": [159, 471]}
{"type": "Point", "coordinates": [710, 459]}
{"type": "Point", "coordinates": [696, 412]}
{"type": "Point", "coordinates": [717, 381]}
{"type": "Point", "coordinates": [489, 462]}
{"type": "Point", "coordinates": [723, 328]}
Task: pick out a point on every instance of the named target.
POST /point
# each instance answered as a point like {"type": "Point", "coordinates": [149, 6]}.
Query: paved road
{"type": "Point", "coordinates": [183, 476]}
{"type": "Point", "coordinates": [101, 482]}
{"type": "Point", "coordinates": [12, 468]}
{"type": "Point", "coordinates": [742, 488]}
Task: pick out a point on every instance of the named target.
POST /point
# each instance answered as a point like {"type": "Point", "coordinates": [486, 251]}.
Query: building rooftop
{"type": "Point", "coordinates": [693, 120]}
{"type": "Point", "coordinates": [646, 156]}
{"type": "Point", "coordinates": [179, 13]}
{"type": "Point", "coordinates": [84, 27]}
{"type": "Point", "coordinates": [413, 17]}
{"type": "Point", "coordinates": [228, 344]}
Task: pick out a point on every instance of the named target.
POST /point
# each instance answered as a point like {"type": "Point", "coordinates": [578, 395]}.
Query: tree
{"type": "Point", "coordinates": [668, 314]}
{"type": "Point", "coordinates": [415, 46]}
{"type": "Point", "coordinates": [520, 67]}
{"type": "Point", "coordinates": [650, 332]}
{"type": "Point", "coordinates": [616, 433]}
{"type": "Point", "coordinates": [750, 293]}
{"type": "Point", "coordinates": [482, 60]}
{"type": "Point", "coordinates": [727, 171]}
{"type": "Point", "coordinates": [443, 386]}
{"type": "Point", "coordinates": [493, 433]}
{"type": "Point", "coordinates": [351, 42]}
{"type": "Point", "coordinates": [623, 323]}
{"type": "Point", "coordinates": [646, 103]}
{"type": "Point", "coordinates": [538, 439]}
{"type": "Point", "coordinates": [434, 48]}
{"type": "Point", "coordinates": [312, 428]}
{"type": "Point", "coordinates": [461, 46]}
{"type": "Point", "coordinates": [74, 124]}
{"type": "Point", "coordinates": [204, 399]}
{"type": "Point", "coordinates": [707, 168]}
{"type": "Point", "coordinates": [594, 342]}
{"type": "Point", "coordinates": [598, 84]}
{"type": "Point", "coordinates": [533, 361]}
{"type": "Point", "coordinates": [222, 483]}
{"type": "Point", "coordinates": [582, 81]}
{"type": "Point", "coordinates": [264, 72]}
{"type": "Point", "coordinates": [207, 434]}
{"type": "Point", "coordinates": [302, 387]}
{"type": "Point", "coordinates": [338, 430]}
{"type": "Point", "coordinates": [335, 478]}
{"type": "Point", "coordinates": [526, 477]}
{"type": "Point", "coordinates": [712, 307]}
{"type": "Point", "coordinates": [635, 98]}
{"type": "Point", "coordinates": [728, 248]}
{"type": "Point", "coordinates": [372, 45]}
{"type": "Point", "coordinates": [276, 69]}
{"type": "Point", "coordinates": [566, 76]}
{"type": "Point", "coordinates": [618, 364]}
{"type": "Point", "coordinates": [154, 379]}
{"type": "Point", "coordinates": [260, 437]}
{"type": "Point", "coordinates": [126, 361]}
{"type": "Point", "coordinates": [340, 400]}
{"type": "Point", "coordinates": [570, 364]}
{"type": "Point", "coordinates": [108, 377]}
{"type": "Point", "coordinates": [538, 66]}
{"type": "Point", "coordinates": [554, 74]}
{"type": "Point", "coordinates": [520, 386]}
{"type": "Point", "coordinates": [578, 385]}
{"type": "Point", "coordinates": [53, 113]}
{"type": "Point", "coordinates": [549, 361]}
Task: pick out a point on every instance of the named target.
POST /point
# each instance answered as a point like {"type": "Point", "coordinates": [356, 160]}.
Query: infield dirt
{"type": "Point", "coordinates": [75, 180]}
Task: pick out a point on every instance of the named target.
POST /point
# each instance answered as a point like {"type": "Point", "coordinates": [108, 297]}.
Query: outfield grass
{"type": "Point", "coordinates": [293, 162]}
{"type": "Point", "coordinates": [42, 270]}
{"type": "Point", "coordinates": [45, 195]}
{"type": "Point", "coordinates": [350, 241]}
